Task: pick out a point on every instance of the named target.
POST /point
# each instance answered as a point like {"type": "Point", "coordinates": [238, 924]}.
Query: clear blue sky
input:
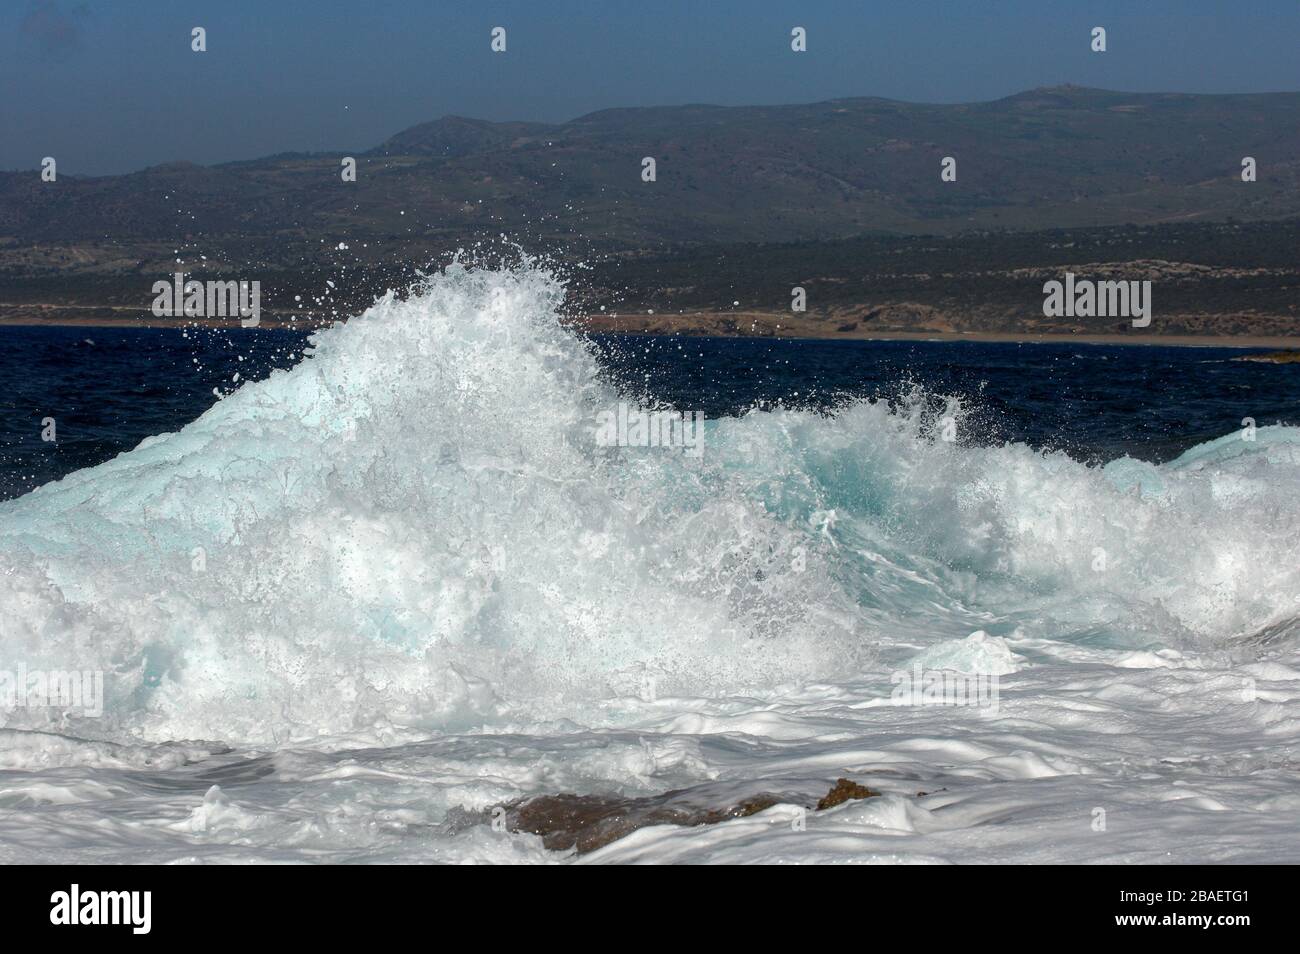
{"type": "Point", "coordinates": [111, 86]}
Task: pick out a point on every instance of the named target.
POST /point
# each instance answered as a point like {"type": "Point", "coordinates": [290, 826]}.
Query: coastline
{"type": "Point", "coordinates": [33, 315]}
{"type": "Point", "coordinates": [754, 325]}
{"type": "Point", "coordinates": [997, 337]}
{"type": "Point", "coordinates": [749, 324]}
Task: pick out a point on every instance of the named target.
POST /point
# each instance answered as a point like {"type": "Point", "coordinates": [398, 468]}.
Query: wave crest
{"type": "Point", "coordinates": [415, 526]}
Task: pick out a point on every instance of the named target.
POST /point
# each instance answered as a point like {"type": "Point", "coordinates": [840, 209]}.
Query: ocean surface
{"type": "Point", "coordinates": [353, 597]}
{"type": "Point", "coordinates": [110, 388]}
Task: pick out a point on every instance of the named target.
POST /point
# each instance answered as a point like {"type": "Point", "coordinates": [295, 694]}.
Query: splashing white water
{"type": "Point", "coordinates": [414, 532]}
{"type": "Point", "coordinates": [414, 524]}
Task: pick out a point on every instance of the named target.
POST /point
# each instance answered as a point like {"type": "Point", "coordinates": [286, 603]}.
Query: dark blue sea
{"type": "Point", "coordinates": [107, 389]}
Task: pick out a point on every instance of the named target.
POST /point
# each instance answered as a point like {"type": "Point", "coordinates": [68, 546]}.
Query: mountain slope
{"type": "Point", "coordinates": [1049, 158]}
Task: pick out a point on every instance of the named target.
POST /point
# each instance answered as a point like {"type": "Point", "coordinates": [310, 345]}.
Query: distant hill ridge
{"type": "Point", "coordinates": [1058, 157]}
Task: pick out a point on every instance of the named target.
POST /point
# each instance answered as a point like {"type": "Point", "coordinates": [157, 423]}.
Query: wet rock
{"type": "Point", "coordinates": [588, 822]}
{"type": "Point", "coordinates": [844, 791]}
{"type": "Point", "coordinates": [583, 823]}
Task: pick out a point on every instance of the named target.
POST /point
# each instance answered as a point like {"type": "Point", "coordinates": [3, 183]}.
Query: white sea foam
{"type": "Point", "coordinates": [405, 574]}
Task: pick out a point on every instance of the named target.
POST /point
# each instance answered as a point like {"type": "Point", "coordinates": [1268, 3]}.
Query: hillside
{"type": "Point", "coordinates": [1065, 157]}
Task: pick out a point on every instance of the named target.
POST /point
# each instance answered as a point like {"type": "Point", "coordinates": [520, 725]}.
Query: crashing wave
{"type": "Point", "coordinates": [417, 526]}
